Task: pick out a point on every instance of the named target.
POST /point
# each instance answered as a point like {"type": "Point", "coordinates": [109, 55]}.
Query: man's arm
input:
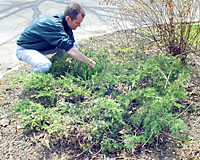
{"type": "Point", "coordinates": [76, 54]}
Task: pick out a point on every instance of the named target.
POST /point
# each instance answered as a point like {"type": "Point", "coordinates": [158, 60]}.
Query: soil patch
{"type": "Point", "coordinates": [14, 144]}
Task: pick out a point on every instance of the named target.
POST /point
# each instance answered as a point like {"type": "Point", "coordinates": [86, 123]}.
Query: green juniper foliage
{"type": "Point", "coordinates": [121, 103]}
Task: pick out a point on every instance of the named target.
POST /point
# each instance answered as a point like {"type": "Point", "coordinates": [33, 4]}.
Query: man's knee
{"type": "Point", "coordinates": [43, 68]}
{"type": "Point", "coordinates": [47, 67]}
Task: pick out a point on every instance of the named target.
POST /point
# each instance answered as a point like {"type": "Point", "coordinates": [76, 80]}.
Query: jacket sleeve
{"type": "Point", "coordinates": [55, 35]}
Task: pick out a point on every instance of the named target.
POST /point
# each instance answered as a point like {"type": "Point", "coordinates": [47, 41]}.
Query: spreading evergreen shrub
{"type": "Point", "coordinates": [121, 103]}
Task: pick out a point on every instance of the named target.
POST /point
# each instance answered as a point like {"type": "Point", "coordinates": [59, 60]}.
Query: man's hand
{"type": "Point", "coordinates": [76, 54]}
{"type": "Point", "coordinates": [91, 63]}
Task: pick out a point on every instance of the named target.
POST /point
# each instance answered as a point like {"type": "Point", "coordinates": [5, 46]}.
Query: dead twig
{"type": "Point", "coordinates": [166, 77]}
{"type": "Point", "coordinates": [84, 151]}
{"type": "Point", "coordinates": [184, 110]}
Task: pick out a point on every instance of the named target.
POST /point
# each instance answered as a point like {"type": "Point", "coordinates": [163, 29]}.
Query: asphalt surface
{"type": "Point", "coordinates": [16, 15]}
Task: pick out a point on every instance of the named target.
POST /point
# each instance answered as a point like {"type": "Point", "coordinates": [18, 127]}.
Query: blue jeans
{"type": "Point", "coordinates": [37, 59]}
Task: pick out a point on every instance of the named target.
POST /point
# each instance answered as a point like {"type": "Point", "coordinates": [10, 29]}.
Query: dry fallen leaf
{"type": "Point", "coordinates": [4, 122]}
{"type": "Point", "coordinates": [45, 141]}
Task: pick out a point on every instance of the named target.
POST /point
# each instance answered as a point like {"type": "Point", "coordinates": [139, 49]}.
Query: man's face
{"type": "Point", "coordinates": [73, 24]}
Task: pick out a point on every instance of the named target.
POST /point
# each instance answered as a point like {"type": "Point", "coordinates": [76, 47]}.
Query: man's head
{"type": "Point", "coordinates": [74, 15]}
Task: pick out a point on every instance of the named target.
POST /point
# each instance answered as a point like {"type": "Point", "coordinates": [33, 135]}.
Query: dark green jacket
{"type": "Point", "coordinates": [46, 34]}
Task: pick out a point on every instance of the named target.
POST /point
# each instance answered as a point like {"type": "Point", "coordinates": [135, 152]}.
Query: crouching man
{"type": "Point", "coordinates": [49, 35]}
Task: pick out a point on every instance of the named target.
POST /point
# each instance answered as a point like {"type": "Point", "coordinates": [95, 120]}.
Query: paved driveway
{"type": "Point", "coordinates": [15, 15]}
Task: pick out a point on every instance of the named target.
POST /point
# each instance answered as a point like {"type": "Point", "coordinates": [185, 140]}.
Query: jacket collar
{"type": "Point", "coordinates": [66, 27]}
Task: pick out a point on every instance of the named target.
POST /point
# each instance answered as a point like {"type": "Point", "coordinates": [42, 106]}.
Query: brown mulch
{"type": "Point", "coordinates": [14, 144]}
